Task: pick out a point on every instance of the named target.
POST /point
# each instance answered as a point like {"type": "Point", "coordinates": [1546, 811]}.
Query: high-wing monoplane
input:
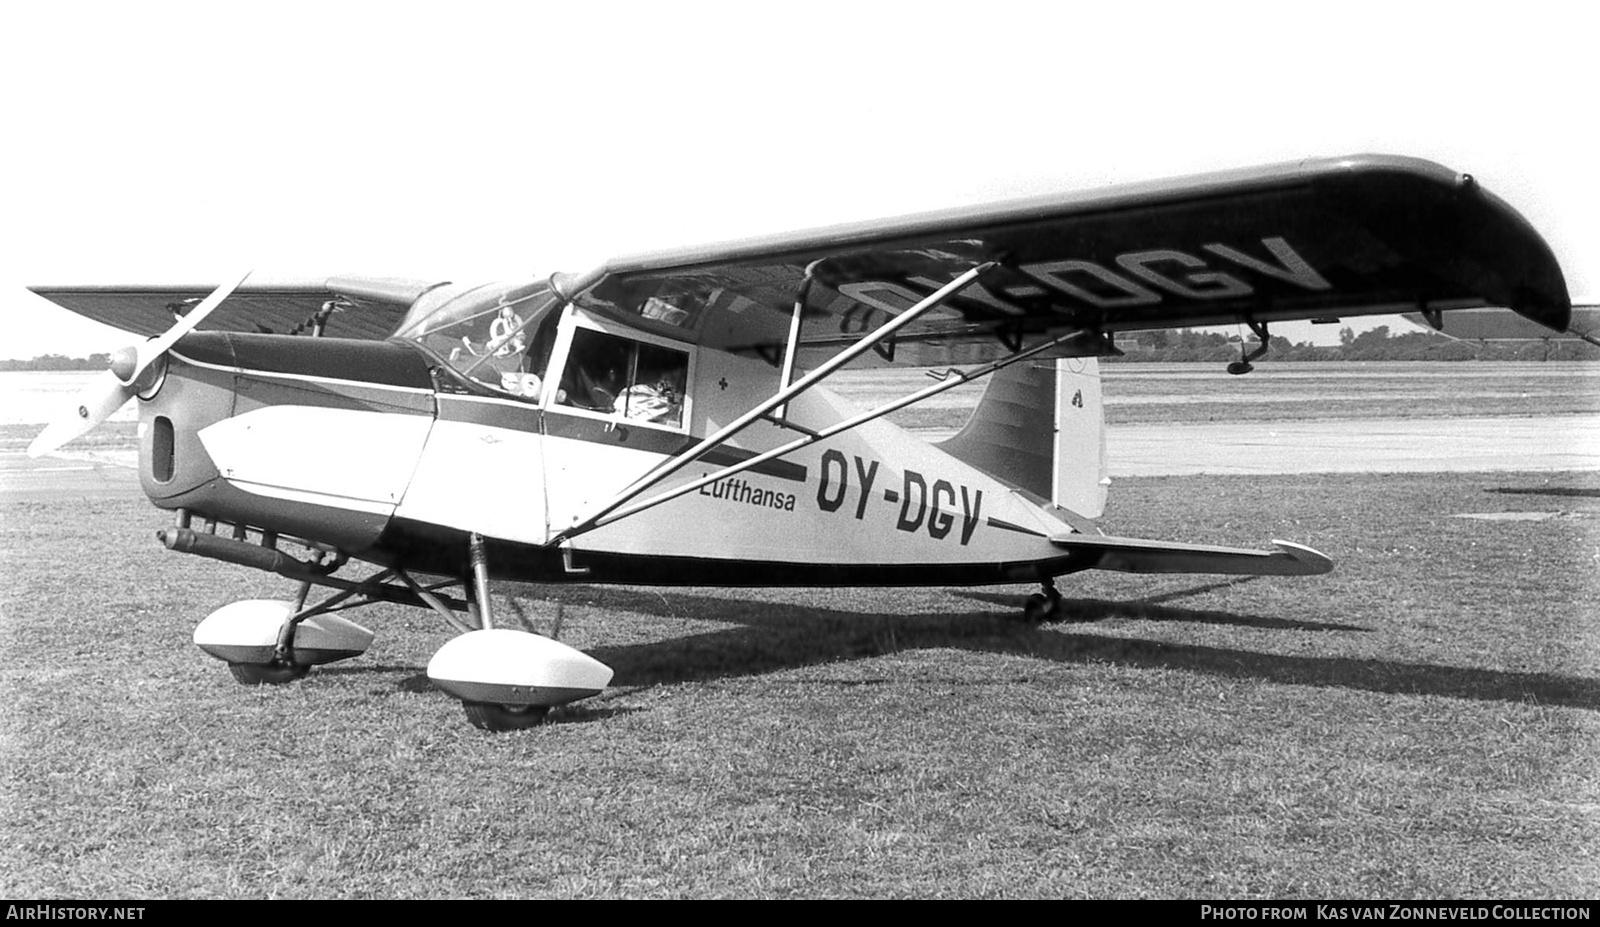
{"type": "Point", "coordinates": [661, 419]}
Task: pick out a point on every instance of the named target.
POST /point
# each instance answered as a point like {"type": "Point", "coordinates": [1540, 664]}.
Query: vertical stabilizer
{"type": "Point", "coordinates": [1041, 428]}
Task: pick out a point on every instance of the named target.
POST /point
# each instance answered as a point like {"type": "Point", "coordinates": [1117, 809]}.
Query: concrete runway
{"type": "Point", "coordinates": [1442, 445]}
{"type": "Point", "coordinates": [1567, 442]}
{"type": "Point", "coordinates": [68, 477]}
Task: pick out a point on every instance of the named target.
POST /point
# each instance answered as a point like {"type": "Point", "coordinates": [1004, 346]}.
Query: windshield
{"type": "Point", "coordinates": [499, 336]}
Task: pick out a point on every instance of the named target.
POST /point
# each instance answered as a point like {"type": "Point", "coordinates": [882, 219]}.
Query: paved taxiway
{"type": "Point", "coordinates": [1567, 442]}
{"type": "Point", "coordinates": [104, 476]}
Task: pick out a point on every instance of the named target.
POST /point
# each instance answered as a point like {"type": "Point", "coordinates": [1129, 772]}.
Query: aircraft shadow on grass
{"type": "Point", "coordinates": [1575, 492]}
{"type": "Point", "coordinates": [1151, 608]}
{"type": "Point", "coordinates": [772, 636]}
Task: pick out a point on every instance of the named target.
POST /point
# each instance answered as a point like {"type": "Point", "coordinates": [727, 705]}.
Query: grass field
{"type": "Point", "coordinates": [1421, 723]}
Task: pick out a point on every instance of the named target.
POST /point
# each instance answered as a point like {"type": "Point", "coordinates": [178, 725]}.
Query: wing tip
{"type": "Point", "coordinates": [1314, 562]}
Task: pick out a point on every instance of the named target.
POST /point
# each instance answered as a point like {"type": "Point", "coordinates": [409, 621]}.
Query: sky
{"type": "Point", "coordinates": [165, 142]}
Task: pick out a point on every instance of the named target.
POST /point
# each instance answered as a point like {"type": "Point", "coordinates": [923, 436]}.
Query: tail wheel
{"type": "Point", "coordinates": [267, 674]}
{"type": "Point", "coordinates": [492, 716]}
{"type": "Point", "coordinates": [1042, 607]}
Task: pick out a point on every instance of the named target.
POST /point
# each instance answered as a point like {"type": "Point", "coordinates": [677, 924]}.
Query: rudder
{"type": "Point", "coordinates": [1081, 479]}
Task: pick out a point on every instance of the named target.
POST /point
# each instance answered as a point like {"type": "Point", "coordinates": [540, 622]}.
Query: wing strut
{"type": "Point", "coordinates": [673, 464]}
{"type": "Point", "coordinates": [781, 411]}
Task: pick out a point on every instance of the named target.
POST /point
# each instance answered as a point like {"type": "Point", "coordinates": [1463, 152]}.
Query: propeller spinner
{"type": "Point", "coordinates": [119, 384]}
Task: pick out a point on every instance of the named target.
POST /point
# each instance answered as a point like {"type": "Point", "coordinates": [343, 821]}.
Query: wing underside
{"type": "Point", "coordinates": [346, 307]}
{"type": "Point", "coordinates": [1500, 325]}
{"type": "Point", "coordinates": [1309, 240]}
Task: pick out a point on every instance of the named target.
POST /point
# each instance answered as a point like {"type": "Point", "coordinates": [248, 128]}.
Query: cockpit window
{"type": "Point", "coordinates": [500, 338]}
{"type": "Point", "coordinates": [620, 376]}
{"type": "Point", "coordinates": [677, 304]}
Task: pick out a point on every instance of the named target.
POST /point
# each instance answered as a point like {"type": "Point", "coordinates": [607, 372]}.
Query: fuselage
{"type": "Point", "coordinates": [396, 452]}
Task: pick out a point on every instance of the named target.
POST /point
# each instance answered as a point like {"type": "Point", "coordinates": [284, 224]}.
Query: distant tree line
{"type": "Point", "coordinates": [59, 362]}
{"type": "Point", "coordinates": [1376, 344]}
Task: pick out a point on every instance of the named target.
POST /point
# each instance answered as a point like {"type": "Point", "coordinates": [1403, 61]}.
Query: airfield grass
{"type": "Point", "coordinates": [1421, 723]}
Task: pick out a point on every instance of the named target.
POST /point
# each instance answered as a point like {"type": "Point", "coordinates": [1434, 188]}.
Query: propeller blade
{"type": "Point", "coordinates": [108, 392]}
{"type": "Point", "coordinates": [103, 396]}
{"type": "Point", "coordinates": [154, 348]}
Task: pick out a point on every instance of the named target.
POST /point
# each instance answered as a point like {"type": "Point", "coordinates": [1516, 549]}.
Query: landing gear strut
{"type": "Point", "coordinates": [508, 679]}
{"type": "Point", "coordinates": [282, 669]}
{"type": "Point", "coordinates": [269, 642]}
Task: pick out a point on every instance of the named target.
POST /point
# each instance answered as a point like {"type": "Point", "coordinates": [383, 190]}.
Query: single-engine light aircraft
{"type": "Point", "coordinates": [660, 419]}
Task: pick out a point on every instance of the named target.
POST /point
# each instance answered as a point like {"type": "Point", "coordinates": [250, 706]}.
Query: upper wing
{"type": "Point", "coordinates": [1312, 239]}
{"type": "Point", "coordinates": [349, 307]}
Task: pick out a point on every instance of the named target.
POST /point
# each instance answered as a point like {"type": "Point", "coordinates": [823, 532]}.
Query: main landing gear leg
{"type": "Point", "coordinates": [1044, 606]}
{"type": "Point", "coordinates": [282, 669]}
{"type": "Point", "coordinates": [494, 716]}
{"type": "Point", "coordinates": [274, 641]}
{"type": "Point", "coordinates": [506, 679]}
{"type": "Point", "coordinates": [490, 716]}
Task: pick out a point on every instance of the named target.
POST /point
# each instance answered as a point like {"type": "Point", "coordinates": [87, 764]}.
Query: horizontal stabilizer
{"type": "Point", "coordinates": [1134, 555]}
